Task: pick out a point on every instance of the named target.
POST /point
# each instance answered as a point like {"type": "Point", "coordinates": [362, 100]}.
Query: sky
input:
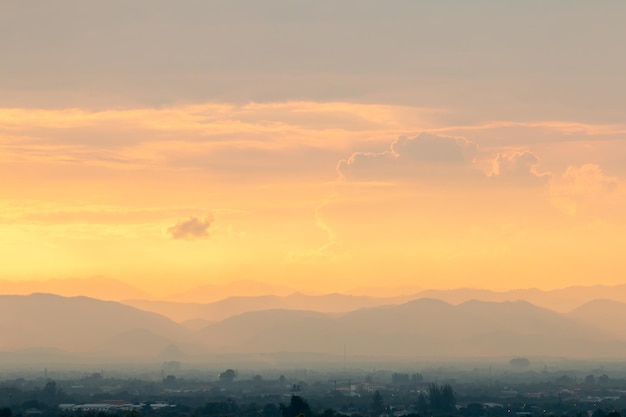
{"type": "Point", "coordinates": [321, 145]}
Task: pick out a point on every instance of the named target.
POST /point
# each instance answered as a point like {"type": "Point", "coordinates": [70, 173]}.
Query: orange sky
{"type": "Point", "coordinates": [454, 169]}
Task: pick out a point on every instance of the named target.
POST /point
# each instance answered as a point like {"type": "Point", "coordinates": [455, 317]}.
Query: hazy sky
{"type": "Point", "coordinates": [323, 145]}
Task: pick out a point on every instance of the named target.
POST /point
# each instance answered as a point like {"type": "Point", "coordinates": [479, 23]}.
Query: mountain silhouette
{"type": "Point", "coordinates": [607, 315]}
{"type": "Point", "coordinates": [40, 326]}
{"type": "Point", "coordinates": [82, 324]}
{"type": "Point", "coordinates": [231, 306]}
{"type": "Point", "coordinates": [97, 287]}
{"type": "Point", "coordinates": [561, 300]}
{"type": "Point", "coordinates": [421, 328]}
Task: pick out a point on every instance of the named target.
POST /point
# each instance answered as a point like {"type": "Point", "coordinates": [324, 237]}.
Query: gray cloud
{"type": "Point", "coordinates": [432, 149]}
{"type": "Point", "coordinates": [433, 158]}
{"type": "Point", "coordinates": [191, 228]}
{"type": "Point", "coordinates": [425, 156]}
{"type": "Point", "coordinates": [156, 51]}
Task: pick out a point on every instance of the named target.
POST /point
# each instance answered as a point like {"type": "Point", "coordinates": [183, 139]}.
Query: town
{"type": "Point", "coordinates": [514, 389]}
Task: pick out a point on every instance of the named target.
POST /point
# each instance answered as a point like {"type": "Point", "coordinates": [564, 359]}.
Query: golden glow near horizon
{"type": "Point", "coordinates": [175, 166]}
{"type": "Point", "coordinates": [173, 198]}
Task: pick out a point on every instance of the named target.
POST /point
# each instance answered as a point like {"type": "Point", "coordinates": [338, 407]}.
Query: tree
{"type": "Point", "coordinates": [270, 410]}
{"type": "Point", "coordinates": [5, 412]}
{"type": "Point", "coordinates": [473, 410]}
{"type": "Point", "coordinates": [422, 404]}
{"type": "Point", "coordinates": [441, 397]}
{"type": "Point", "coordinates": [50, 389]}
{"type": "Point", "coordinates": [378, 404]}
{"type": "Point", "coordinates": [228, 375]}
{"type": "Point", "coordinates": [131, 413]}
{"type": "Point", "coordinates": [434, 396]}
{"type": "Point", "coordinates": [296, 406]}
{"type": "Point", "coordinates": [329, 412]}
{"type": "Point", "coordinates": [447, 398]}
{"type": "Point", "coordinates": [219, 408]}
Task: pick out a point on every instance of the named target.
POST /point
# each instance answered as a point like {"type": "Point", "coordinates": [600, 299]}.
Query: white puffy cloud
{"type": "Point", "coordinates": [191, 228]}
{"type": "Point", "coordinates": [519, 168]}
{"type": "Point", "coordinates": [587, 189]}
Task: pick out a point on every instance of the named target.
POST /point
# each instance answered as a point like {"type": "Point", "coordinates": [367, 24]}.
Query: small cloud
{"type": "Point", "coordinates": [587, 189]}
{"type": "Point", "coordinates": [191, 228]}
{"type": "Point", "coordinates": [519, 167]}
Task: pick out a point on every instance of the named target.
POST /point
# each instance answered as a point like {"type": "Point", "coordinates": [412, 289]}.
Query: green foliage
{"type": "Point", "coordinates": [296, 406]}
{"type": "Point", "coordinates": [50, 389]}
{"type": "Point", "coordinates": [270, 410]}
{"type": "Point", "coordinates": [422, 404]}
{"type": "Point", "coordinates": [228, 375]}
{"type": "Point", "coordinates": [131, 413]}
{"type": "Point", "coordinates": [378, 404]}
{"type": "Point", "coordinates": [221, 408]}
{"type": "Point", "coordinates": [473, 410]}
{"type": "Point", "coordinates": [441, 398]}
{"type": "Point", "coordinates": [329, 412]}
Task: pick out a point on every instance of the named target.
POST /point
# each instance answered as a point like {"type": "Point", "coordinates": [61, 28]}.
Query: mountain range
{"type": "Point", "coordinates": [84, 325]}
{"type": "Point", "coordinates": [213, 302]}
{"type": "Point", "coordinates": [423, 328]}
{"type": "Point", "coordinates": [231, 306]}
{"type": "Point", "coordinates": [82, 328]}
{"type": "Point", "coordinates": [96, 287]}
{"type": "Point", "coordinates": [562, 300]}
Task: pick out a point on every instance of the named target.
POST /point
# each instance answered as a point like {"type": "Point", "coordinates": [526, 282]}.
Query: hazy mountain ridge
{"type": "Point", "coordinates": [607, 315]}
{"type": "Point", "coordinates": [421, 328]}
{"type": "Point", "coordinates": [232, 306]}
{"type": "Point", "coordinates": [215, 302]}
{"type": "Point", "coordinates": [424, 328]}
{"type": "Point", "coordinates": [82, 324]}
{"type": "Point", "coordinates": [561, 300]}
{"type": "Point", "coordinates": [211, 293]}
{"type": "Point", "coordinates": [101, 288]}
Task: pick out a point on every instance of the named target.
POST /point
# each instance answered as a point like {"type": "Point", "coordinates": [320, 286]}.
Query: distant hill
{"type": "Point", "coordinates": [607, 315]}
{"type": "Point", "coordinates": [82, 324]}
{"type": "Point", "coordinates": [96, 287]}
{"type": "Point", "coordinates": [216, 311]}
{"type": "Point", "coordinates": [216, 302]}
{"type": "Point", "coordinates": [43, 327]}
{"type": "Point", "coordinates": [562, 300]}
{"type": "Point", "coordinates": [239, 333]}
{"type": "Point", "coordinates": [243, 288]}
{"type": "Point", "coordinates": [421, 328]}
